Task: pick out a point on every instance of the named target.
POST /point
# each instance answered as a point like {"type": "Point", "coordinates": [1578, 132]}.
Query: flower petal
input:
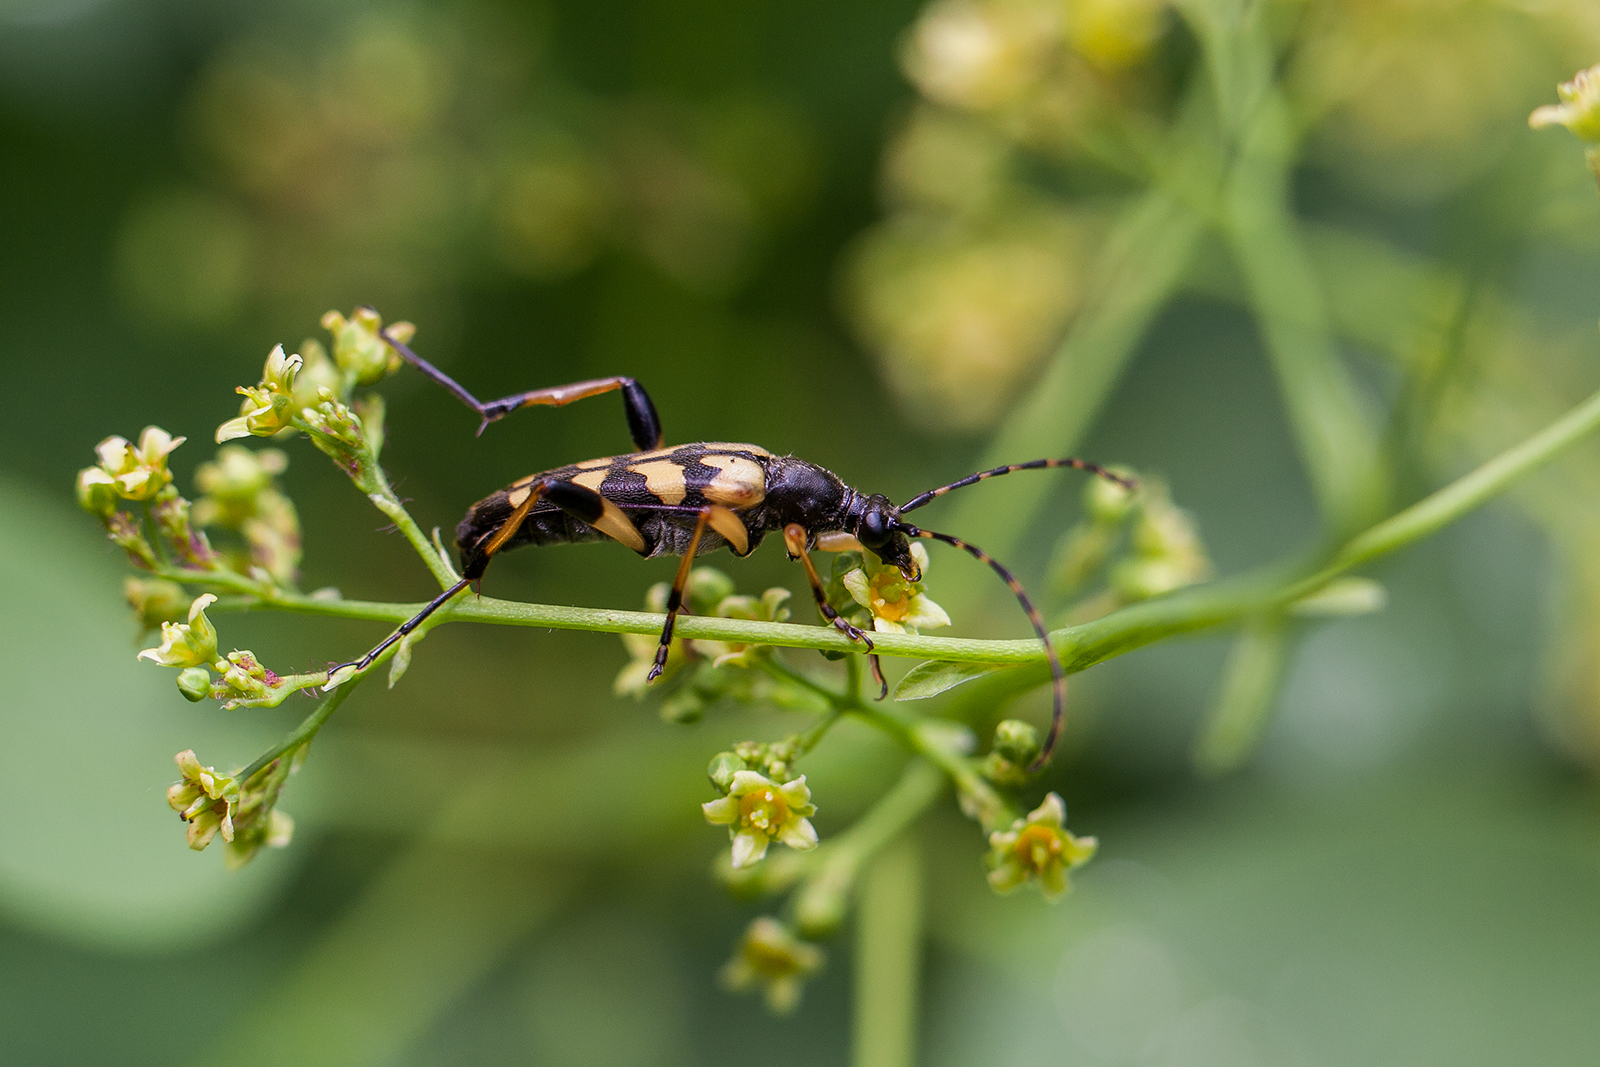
{"type": "Point", "coordinates": [1007, 876]}
{"type": "Point", "coordinates": [1050, 810]}
{"type": "Point", "coordinates": [799, 834]}
{"type": "Point", "coordinates": [721, 812]}
{"type": "Point", "coordinates": [860, 590]}
{"type": "Point", "coordinates": [748, 782]}
{"type": "Point", "coordinates": [748, 849]}
{"type": "Point", "coordinates": [926, 615]}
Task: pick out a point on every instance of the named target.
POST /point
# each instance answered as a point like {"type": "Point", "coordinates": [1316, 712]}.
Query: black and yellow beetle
{"type": "Point", "coordinates": [691, 499]}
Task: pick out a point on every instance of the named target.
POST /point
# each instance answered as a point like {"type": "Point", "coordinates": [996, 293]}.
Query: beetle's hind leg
{"type": "Point", "coordinates": [794, 539]}
{"type": "Point", "coordinates": [580, 502]}
{"type": "Point", "coordinates": [644, 425]}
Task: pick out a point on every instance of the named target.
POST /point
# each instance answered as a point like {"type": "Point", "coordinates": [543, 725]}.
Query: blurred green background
{"type": "Point", "coordinates": [855, 232]}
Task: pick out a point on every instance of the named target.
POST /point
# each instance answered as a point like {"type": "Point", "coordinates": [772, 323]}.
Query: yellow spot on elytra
{"type": "Point", "coordinates": [591, 479]}
{"type": "Point", "coordinates": [739, 483]}
{"type": "Point", "coordinates": [663, 479]}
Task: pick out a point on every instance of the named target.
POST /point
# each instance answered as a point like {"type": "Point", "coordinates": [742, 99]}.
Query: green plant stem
{"type": "Point", "coordinates": [302, 734]}
{"type": "Point", "coordinates": [823, 899]}
{"type": "Point", "coordinates": [386, 502]}
{"type": "Point", "coordinates": [888, 959]}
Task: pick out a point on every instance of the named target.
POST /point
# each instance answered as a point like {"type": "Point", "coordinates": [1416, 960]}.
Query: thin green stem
{"type": "Point", "coordinates": [390, 505]}
{"type": "Point", "coordinates": [302, 734]}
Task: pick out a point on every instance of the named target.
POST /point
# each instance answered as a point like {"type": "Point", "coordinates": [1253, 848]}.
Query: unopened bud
{"type": "Point", "coordinates": [195, 684]}
{"type": "Point", "coordinates": [1017, 741]}
{"type": "Point", "coordinates": [724, 765]}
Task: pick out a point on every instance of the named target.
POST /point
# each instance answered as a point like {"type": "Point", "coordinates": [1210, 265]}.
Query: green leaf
{"type": "Point", "coordinates": [933, 677]}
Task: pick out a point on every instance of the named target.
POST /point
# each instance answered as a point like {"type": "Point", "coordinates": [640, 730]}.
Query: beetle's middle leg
{"type": "Point", "coordinates": [724, 522]}
{"type": "Point", "coordinates": [794, 539]}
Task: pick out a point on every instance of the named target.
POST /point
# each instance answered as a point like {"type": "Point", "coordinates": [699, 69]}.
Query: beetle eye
{"type": "Point", "coordinates": [874, 529]}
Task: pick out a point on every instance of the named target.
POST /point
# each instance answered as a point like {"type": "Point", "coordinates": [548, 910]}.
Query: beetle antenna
{"type": "Point", "coordinates": [1058, 675]}
{"type": "Point", "coordinates": [1038, 464]}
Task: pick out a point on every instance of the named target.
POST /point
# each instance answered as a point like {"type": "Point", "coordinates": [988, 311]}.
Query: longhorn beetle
{"type": "Point", "coordinates": [695, 498]}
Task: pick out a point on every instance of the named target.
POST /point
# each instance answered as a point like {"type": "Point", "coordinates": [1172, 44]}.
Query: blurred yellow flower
{"type": "Point", "coordinates": [1037, 848]}
{"type": "Point", "coordinates": [771, 957]}
{"type": "Point", "coordinates": [138, 472]}
{"type": "Point", "coordinates": [1579, 110]}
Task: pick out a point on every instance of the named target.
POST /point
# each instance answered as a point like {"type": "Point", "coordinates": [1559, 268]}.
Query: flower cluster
{"type": "Point", "coordinates": [204, 799]}
{"type": "Point", "coordinates": [1016, 743]}
{"type": "Point", "coordinates": [981, 263]}
{"type": "Point", "coordinates": [241, 495]}
{"type": "Point", "coordinates": [1579, 112]}
{"type": "Point", "coordinates": [698, 673]}
{"type": "Point", "coordinates": [139, 475]}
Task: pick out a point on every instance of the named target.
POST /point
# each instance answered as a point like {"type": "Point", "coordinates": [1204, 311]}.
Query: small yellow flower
{"type": "Point", "coordinates": [204, 799]}
{"type": "Point", "coordinates": [897, 606]}
{"type": "Point", "coordinates": [268, 406]}
{"type": "Point", "coordinates": [1579, 110]}
{"type": "Point", "coordinates": [137, 472]}
{"type": "Point", "coordinates": [773, 958]}
{"type": "Point", "coordinates": [190, 644]}
{"type": "Point", "coordinates": [1037, 848]}
{"type": "Point", "coordinates": [758, 811]}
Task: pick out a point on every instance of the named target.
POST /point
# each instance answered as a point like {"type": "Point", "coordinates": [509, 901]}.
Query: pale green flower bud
{"type": "Point", "coordinates": [1107, 501]}
{"type": "Point", "coordinates": [724, 765]}
{"type": "Point", "coordinates": [706, 588]}
{"type": "Point", "coordinates": [1016, 740]}
{"type": "Point", "coordinates": [155, 601]}
{"type": "Point", "coordinates": [190, 644]}
{"type": "Point", "coordinates": [194, 683]}
{"type": "Point", "coordinates": [359, 350]}
{"type": "Point", "coordinates": [97, 492]}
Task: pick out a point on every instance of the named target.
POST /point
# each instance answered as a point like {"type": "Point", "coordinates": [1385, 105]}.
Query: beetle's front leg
{"type": "Point", "coordinates": [794, 540]}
